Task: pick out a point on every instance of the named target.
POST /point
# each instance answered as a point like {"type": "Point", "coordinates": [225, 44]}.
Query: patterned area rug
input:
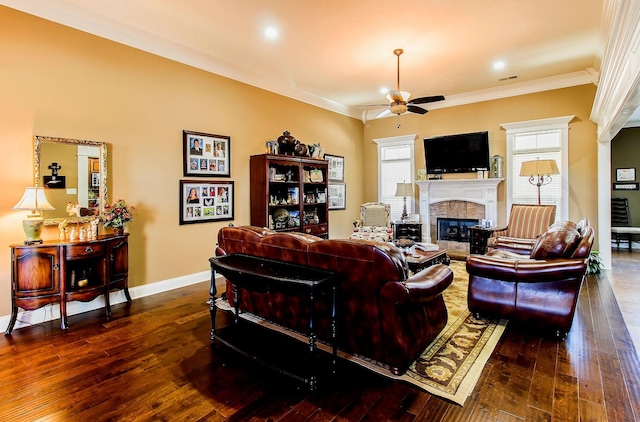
{"type": "Point", "coordinates": [451, 365]}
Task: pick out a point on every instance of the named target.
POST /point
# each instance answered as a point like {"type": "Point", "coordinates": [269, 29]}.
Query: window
{"type": "Point", "coordinates": [545, 139]}
{"type": "Point", "coordinates": [395, 165]}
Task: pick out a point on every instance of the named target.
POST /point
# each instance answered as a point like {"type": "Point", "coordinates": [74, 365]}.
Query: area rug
{"type": "Point", "coordinates": [451, 365]}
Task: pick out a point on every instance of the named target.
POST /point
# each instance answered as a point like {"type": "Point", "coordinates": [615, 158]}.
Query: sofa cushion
{"type": "Point", "coordinates": [557, 242]}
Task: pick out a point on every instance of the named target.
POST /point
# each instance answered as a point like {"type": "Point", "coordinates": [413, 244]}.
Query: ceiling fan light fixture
{"type": "Point", "coordinates": [398, 108]}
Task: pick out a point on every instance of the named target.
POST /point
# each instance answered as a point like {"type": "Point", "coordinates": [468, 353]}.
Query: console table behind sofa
{"type": "Point", "coordinates": [383, 314]}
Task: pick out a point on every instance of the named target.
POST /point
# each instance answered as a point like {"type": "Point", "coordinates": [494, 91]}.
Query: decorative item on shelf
{"type": "Point", "coordinates": [116, 214]}
{"type": "Point", "coordinates": [272, 147]}
{"type": "Point", "coordinates": [422, 174]}
{"type": "Point", "coordinates": [539, 172]}
{"type": "Point", "coordinates": [35, 201]}
{"type": "Point", "coordinates": [281, 218]}
{"type": "Point", "coordinates": [94, 228]}
{"type": "Point", "coordinates": [301, 150]}
{"type": "Point", "coordinates": [63, 226]}
{"type": "Point", "coordinates": [497, 166]}
{"type": "Point", "coordinates": [404, 190]}
{"type": "Point", "coordinates": [287, 143]}
{"type": "Point", "coordinates": [316, 151]}
{"type": "Point", "coordinates": [315, 175]}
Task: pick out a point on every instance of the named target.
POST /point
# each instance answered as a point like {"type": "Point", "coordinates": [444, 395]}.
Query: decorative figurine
{"type": "Point", "coordinates": [63, 226]}
{"type": "Point", "coordinates": [94, 228]}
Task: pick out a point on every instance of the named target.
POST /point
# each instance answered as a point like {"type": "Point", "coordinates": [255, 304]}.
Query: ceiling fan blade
{"type": "Point", "coordinates": [384, 113]}
{"type": "Point", "coordinates": [416, 109]}
{"type": "Point", "coordinates": [424, 100]}
{"type": "Point", "coordinates": [373, 105]}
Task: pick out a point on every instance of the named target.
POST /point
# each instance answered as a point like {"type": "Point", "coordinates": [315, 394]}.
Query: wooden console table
{"type": "Point", "coordinates": [59, 272]}
{"type": "Point", "coordinates": [264, 275]}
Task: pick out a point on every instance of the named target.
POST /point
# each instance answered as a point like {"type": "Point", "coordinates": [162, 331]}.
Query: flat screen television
{"type": "Point", "coordinates": [459, 153]}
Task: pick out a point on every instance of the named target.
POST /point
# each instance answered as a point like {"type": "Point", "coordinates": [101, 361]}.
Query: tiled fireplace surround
{"type": "Point", "coordinates": [461, 198]}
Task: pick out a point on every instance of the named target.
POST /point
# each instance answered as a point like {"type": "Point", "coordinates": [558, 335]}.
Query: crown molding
{"type": "Point", "coordinates": [618, 94]}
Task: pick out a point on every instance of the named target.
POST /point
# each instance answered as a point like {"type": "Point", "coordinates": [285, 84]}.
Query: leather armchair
{"type": "Point", "coordinates": [540, 290]}
{"type": "Point", "coordinates": [526, 223]}
{"type": "Point", "coordinates": [374, 223]}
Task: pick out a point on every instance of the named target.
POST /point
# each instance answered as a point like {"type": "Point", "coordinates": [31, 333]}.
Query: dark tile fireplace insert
{"type": "Point", "coordinates": [455, 229]}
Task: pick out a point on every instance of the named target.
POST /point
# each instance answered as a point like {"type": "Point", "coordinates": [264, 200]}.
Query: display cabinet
{"type": "Point", "coordinates": [289, 194]}
{"type": "Point", "coordinates": [59, 272]}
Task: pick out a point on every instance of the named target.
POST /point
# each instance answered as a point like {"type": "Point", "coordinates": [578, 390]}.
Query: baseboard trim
{"type": "Point", "coordinates": [52, 312]}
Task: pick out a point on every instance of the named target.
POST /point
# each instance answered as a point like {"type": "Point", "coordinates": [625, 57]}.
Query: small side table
{"type": "Point", "coordinates": [407, 230]}
{"type": "Point", "coordinates": [478, 239]}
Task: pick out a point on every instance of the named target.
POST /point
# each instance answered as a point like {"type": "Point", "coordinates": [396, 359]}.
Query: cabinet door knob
{"type": "Point", "coordinates": [56, 267]}
{"type": "Point", "coordinates": [88, 249]}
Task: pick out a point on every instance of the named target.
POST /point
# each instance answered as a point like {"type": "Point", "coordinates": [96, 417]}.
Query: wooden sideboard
{"type": "Point", "coordinates": [60, 271]}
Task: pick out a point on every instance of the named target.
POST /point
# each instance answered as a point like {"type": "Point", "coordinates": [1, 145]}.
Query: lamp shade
{"type": "Point", "coordinates": [33, 199]}
{"type": "Point", "coordinates": [404, 189]}
{"type": "Point", "coordinates": [539, 168]}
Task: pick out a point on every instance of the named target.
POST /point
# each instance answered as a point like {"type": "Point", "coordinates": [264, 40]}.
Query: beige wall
{"type": "Point", "coordinates": [56, 81]}
{"type": "Point", "coordinates": [488, 116]}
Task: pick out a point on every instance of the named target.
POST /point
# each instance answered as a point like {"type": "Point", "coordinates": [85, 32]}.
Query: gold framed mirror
{"type": "Point", "coordinates": [74, 171]}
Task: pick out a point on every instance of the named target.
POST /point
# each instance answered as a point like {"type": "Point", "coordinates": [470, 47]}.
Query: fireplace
{"type": "Point", "coordinates": [466, 201]}
{"type": "Point", "coordinates": [455, 229]}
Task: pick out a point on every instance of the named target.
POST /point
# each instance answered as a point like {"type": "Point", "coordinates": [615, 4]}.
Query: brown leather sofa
{"type": "Point", "coordinates": [540, 290]}
{"type": "Point", "coordinates": [382, 313]}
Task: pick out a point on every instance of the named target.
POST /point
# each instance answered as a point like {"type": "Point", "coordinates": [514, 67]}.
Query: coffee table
{"type": "Point", "coordinates": [419, 259]}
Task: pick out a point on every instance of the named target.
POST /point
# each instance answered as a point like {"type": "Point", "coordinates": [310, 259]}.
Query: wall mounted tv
{"type": "Point", "coordinates": [460, 153]}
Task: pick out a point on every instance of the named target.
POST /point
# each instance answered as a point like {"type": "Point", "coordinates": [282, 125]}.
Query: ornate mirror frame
{"type": "Point", "coordinates": [37, 171]}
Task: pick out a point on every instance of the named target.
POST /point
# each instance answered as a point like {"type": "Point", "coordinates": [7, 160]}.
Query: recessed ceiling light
{"type": "Point", "coordinates": [271, 33]}
{"type": "Point", "coordinates": [498, 65]}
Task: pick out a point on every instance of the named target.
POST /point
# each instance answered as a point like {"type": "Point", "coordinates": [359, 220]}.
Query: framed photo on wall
{"type": "Point", "coordinates": [204, 202]}
{"type": "Point", "coordinates": [206, 155]}
{"type": "Point", "coordinates": [335, 167]}
{"type": "Point", "coordinates": [626, 175]}
{"type": "Point", "coordinates": [337, 196]}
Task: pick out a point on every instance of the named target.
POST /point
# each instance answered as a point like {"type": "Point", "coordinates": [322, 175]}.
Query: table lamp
{"type": "Point", "coordinates": [404, 190]}
{"type": "Point", "coordinates": [34, 200]}
{"type": "Point", "coordinates": [539, 172]}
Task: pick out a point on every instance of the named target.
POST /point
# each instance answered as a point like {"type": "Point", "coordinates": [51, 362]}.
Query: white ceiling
{"type": "Point", "coordinates": [338, 54]}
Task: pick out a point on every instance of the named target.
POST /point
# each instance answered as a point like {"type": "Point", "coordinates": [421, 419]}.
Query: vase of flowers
{"type": "Point", "coordinates": [116, 214]}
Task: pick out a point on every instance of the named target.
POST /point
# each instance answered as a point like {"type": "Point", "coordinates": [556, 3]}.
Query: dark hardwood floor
{"type": "Point", "coordinates": [153, 361]}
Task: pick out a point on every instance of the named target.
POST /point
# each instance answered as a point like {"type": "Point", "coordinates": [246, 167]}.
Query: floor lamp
{"type": "Point", "coordinates": [539, 172]}
{"type": "Point", "coordinates": [404, 190]}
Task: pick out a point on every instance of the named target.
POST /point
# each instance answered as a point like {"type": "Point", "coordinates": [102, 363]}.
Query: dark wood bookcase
{"type": "Point", "coordinates": [289, 194]}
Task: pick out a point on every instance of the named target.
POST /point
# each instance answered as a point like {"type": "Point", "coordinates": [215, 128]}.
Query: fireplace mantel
{"type": "Point", "coordinates": [480, 191]}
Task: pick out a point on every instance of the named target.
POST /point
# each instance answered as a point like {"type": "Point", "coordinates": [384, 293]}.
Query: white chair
{"type": "Point", "coordinates": [374, 223]}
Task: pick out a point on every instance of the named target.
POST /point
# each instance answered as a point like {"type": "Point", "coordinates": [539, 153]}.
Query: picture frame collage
{"type": "Point", "coordinates": [201, 201]}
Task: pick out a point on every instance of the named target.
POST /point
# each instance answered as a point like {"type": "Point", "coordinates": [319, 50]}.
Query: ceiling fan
{"type": "Point", "coordinates": [399, 101]}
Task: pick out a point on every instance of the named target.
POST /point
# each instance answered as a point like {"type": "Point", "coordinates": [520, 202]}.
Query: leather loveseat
{"type": "Point", "coordinates": [540, 290]}
{"type": "Point", "coordinates": [382, 313]}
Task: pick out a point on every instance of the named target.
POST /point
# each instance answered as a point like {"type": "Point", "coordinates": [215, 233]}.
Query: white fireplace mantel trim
{"type": "Point", "coordinates": [480, 191]}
